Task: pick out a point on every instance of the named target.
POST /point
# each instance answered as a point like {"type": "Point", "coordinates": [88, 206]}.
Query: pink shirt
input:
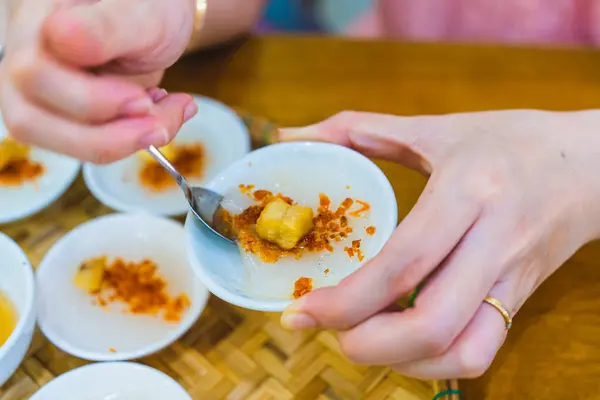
{"type": "Point", "coordinates": [518, 21]}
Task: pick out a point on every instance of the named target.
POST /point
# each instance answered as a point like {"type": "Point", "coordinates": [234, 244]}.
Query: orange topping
{"type": "Point", "coordinates": [370, 230]}
{"type": "Point", "coordinates": [302, 286]}
{"type": "Point", "coordinates": [139, 286]}
{"type": "Point", "coordinates": [346, 204]}
{"type": "Point", "coordinates": [355, 250]}
{"type": "Point", "coordinates": [364, 207]}
{"type": "Point", "coordinates": [328, 227]}
{"type": "Point", "coordinates": [246, 188]}
{"type": "Point", "coordinates": [262, 195]}
{"type": "Point", "coordinates": [17, 172]}
{"type": "Point", "coordinates": [350, 251]}
{"type": "Point", "coordinates": [324, 201]}
{"type": "Point", "coordinates": [188, 159]}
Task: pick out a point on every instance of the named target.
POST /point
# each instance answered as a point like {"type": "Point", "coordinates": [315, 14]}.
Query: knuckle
{"type": "Point", "coordinates": [175, 123]}
{"type": "Point", "coordinates": [102, 154]}
{"type": "Point", "coordinates": [410, 275]}
{"type": "Point", "coordinates": [22, 67]}
{"type": "Point", "coordinates": [352, 349]}
{"type": "Point", "coordinates": [472, 364]}
{"type": "Point", "coordinates": [345, 118]}
{"type": "Point", "coordinates": [401, 275]}
{"type": "Point", "coordinates": [16, 120]}
{"type": "Point", "coordinates": [434, 340]}
{"type": "Point", "coordinates": [434, 344]}
{"type": "Point", "coordinates": [489, 184]}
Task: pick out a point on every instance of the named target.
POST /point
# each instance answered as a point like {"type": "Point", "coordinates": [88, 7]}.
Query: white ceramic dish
{"type": "Point", "coordinates": [301, 171]}
{"type": "Point", "coordinates": [67, 315]}
{"type": "Point", "coordinates": [22, 201]}
{"type": "Point", "coordinates": [225, 140]}
{"type": "Point", "coordinates": [112, 381]}
{"type": "Point", "coordinates": [17, 283]}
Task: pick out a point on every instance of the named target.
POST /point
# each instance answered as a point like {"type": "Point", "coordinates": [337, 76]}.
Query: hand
{"type": "Point", "coordinates": [80, 76]}
{"type": "Point", "coordinates": [511, 196]}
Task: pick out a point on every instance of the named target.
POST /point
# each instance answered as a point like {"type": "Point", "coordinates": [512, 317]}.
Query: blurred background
{"type": "Point", "coordinates": [326, 16]}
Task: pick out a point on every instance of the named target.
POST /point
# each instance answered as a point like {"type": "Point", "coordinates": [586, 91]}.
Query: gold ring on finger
{"type": "Point", "coordinates": [501, 309]}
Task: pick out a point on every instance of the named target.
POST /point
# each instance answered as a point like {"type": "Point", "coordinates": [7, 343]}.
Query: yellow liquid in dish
{"type": "Point", "coordinates": [8, 318]}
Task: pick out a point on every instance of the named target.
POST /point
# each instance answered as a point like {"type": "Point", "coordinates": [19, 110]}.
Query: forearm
{"type": "Point", "coordinates": [579, 144]}
{"type": "Point", "coordinates": [225, 20]}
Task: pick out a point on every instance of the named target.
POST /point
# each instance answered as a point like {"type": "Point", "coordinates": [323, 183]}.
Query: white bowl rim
{"type": "Point", "coordinates": [30, 292]}
{"type": "Point", "coordinates": [51, 199]}
{"type": "Point", "coordinates": [280, 305]}
{"type": "Point", "coordinates": [109, 364]}
{"type": "Point", "coordinates": [60, 245]}
{"type": "Point", "coordinates": [118, 205]}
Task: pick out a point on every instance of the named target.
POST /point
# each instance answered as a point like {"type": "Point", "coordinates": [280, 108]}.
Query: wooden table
{"type": "Point", "coordinates": [553, 351]}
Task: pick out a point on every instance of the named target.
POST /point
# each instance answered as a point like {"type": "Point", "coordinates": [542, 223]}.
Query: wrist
{"type": "Point", "coordinates": [580, 152]}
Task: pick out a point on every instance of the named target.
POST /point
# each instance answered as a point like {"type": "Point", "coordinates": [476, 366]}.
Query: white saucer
{"type": "Point", "coordinates": [224, 137]}
{"type": "Point", "coordinates": [20, 202]}
{"type": "Point", "coordinates": [112, 381]}
{"type": "Point", "coordinates": [67, 315]}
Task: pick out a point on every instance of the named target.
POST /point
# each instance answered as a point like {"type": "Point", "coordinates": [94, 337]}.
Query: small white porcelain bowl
{"type": "Point", "coordinates": [17, 284]}
{"type": "Point", "coordinates": [224, 137]}
{"type": "Point", "coordinates": [112, 381]}
{"type": "Point", "coordinates": [302, 171]}
{"type": "Point", "coordinates": [67, 315]}
{"type": "Point", "coordinates": [20, 202]}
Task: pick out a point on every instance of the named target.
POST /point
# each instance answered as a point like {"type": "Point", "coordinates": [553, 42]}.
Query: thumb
{"type": "Point", "coordinates": [411, 141]}
{"type": "Point", "coordinates": [372, 288]}
{"type": "Point", "coordinates": [96, 33]}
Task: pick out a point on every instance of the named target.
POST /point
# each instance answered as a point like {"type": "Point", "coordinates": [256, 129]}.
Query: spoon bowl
{"type": "Point", "coordinates": [204, 203]}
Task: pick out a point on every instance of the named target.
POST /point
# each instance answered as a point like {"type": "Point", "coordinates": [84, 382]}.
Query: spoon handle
{"type": "Point", "coordinates": [162, 160]}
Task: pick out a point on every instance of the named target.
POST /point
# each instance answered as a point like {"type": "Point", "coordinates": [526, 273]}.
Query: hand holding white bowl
{"type": "Point", "coordinates": [511, 196]}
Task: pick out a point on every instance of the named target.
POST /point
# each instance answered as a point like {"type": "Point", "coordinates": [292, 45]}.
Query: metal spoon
{"type": "Point", "coordinates": [204, 203]}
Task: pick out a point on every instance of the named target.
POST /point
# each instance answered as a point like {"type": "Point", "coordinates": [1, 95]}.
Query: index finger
{"type": "Point", "coordinates": [99, 144]}
{"type": "Point", "coordinates": [415, 142]}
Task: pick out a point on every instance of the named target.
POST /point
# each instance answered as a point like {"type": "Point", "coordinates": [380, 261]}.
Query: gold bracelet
{"type": "Point", "coordinates": [199, 18]}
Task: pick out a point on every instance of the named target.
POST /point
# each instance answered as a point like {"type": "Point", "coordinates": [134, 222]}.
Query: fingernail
{"type": "Point", "coordinates": [294, 320]}
{"type": "Point", "coordinates": [295, 134]}
{"type": "Point", "coordinates": [157, 138]}
{"type": "Point", "coordinates": [190, 110]}
{"type": "Point", "coordinates": [158, 94]}
{"type": "Point", "coordinates": [137, 107]}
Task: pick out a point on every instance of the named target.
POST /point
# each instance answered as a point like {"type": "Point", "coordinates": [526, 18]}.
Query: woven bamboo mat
{"type": "Point", "coordinates": [230, 353]}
